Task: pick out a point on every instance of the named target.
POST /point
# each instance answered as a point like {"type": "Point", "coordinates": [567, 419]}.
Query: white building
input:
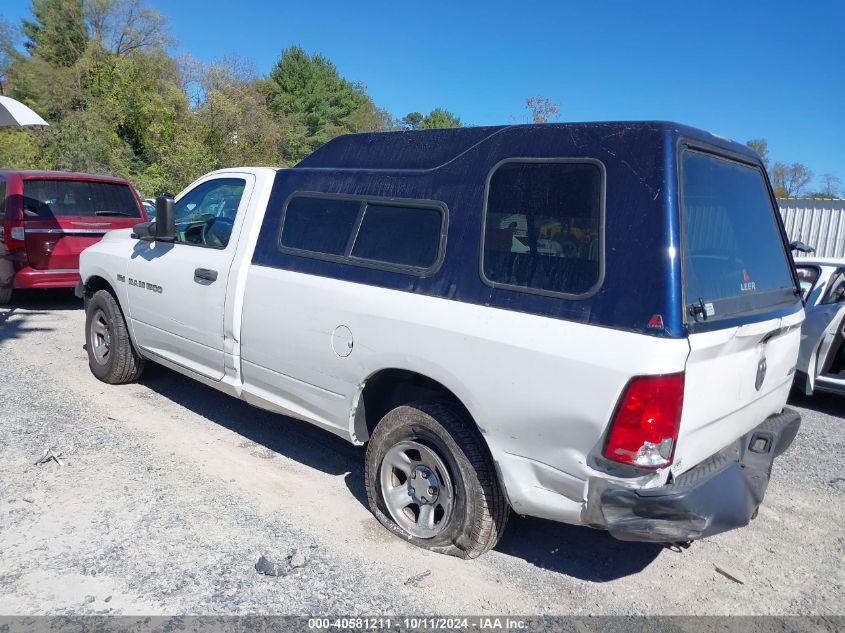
{"type": "Point", "coordinates": [816, 222]}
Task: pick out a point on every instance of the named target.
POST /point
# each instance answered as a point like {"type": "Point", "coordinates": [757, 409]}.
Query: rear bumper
{"type": "Point", "coordinates": [28, 277]}
{"type": "Point", "coordinates": [719, 494]}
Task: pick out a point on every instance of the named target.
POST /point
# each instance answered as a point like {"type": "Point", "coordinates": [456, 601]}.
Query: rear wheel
{"type": "Point", "coordinates": [431, 481]}
{"type": "Point", "coordinates": [5, 295]}
{"type": "Point", "coordinates": [111, 356]}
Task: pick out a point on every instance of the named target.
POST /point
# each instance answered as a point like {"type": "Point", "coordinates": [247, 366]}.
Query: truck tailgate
{"type": "Point", "coordinates": [735, 378]}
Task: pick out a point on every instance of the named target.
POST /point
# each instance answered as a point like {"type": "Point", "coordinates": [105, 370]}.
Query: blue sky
{"type": "Point", "coordinates": [740, 69]}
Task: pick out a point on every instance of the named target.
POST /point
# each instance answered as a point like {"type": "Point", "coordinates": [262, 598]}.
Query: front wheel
{"type": "Point", "coordinates": [111, 356]}
{"type": "Point", "coordinates": [431, 481]}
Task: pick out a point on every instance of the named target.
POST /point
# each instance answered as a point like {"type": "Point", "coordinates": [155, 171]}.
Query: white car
{"type": "Point", "coordinates": [821, 362]}
{"type": "Point", "coordinates": [635, 384]}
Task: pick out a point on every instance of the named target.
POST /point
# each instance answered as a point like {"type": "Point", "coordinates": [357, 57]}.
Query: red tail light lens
{"type": "Point", "coordinates": [644, 427]}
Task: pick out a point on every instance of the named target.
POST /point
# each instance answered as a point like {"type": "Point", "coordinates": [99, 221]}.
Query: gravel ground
{"type": "Point", "coordinates": [170, 492]}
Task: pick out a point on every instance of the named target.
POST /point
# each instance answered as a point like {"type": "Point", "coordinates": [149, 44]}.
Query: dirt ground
{"type": "Point", "coordinates": [169, 492]}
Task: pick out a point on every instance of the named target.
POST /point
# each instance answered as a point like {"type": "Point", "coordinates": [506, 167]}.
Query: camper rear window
{"type": "Point", "coordinates": [735, 261]}
{"type": "Point", "coordinates": [543, 227]}
{"type": "Point", "coordinates": [366, 232]}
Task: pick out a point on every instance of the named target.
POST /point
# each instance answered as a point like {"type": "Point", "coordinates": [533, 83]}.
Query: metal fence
{"type": "Point", "coordinates": [817, 223]}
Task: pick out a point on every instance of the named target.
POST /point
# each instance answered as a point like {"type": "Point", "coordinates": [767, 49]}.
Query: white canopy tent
{"type": "Point", "coordinates": [14, 113]}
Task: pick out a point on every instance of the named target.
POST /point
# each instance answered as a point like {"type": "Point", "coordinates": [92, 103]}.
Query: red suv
{"type": "Point", "coordinates": [47, 218]}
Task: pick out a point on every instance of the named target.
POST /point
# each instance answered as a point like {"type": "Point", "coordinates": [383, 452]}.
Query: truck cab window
{"type": "Point", "coordinates": [206, 214]}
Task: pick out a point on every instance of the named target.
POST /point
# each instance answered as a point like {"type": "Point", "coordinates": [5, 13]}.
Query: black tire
{"type": "Point", "coordinates": [479, 510]}
{"type": "Point", "coordinates": [5, 295]}
{"type": "Point", "coordinates": [120, 363]}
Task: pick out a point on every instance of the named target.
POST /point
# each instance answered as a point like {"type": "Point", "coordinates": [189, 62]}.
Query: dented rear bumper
{"type": "Point", "coordinates": [720, 494]}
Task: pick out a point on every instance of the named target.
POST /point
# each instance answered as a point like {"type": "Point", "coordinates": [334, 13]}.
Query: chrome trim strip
{"type": "Point", "coordinates": [68, 231]}
{"type": "Point", "coordinates": [57, 270]}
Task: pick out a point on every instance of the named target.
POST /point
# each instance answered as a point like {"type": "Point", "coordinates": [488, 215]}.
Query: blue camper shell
{"type": "Point", "coordinates": [639, 285]}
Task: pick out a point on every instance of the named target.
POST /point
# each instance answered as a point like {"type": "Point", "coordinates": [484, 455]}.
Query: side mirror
{"type": "Point", "coordinates": [164, 227]}
{"type": "Point", "coordinates": [801, 247]}
{"type": "Point", "coordinates": [143, 231]}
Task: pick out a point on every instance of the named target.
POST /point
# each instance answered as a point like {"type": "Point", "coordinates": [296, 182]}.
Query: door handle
{"type": "Point", "coordinates": [205, 273]}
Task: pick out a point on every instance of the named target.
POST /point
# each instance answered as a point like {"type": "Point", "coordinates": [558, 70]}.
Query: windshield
{"type": "Point", "coordinates": [735, 261]}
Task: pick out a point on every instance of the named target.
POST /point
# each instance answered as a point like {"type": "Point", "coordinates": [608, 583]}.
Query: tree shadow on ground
{"type": "Point", "coordinates": [52, 299]}
{"type": "Point", "coordinates": [297, 440]}
{"type": "Point", "coordinates": [13, 323]}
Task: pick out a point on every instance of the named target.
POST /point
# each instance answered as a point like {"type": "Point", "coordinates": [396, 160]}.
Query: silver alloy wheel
{"type": "Point", "coordinates": [100, 337]}
{"type": "Point", "coordinates": [416, 488]}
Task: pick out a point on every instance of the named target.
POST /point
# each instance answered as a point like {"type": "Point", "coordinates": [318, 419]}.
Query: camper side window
{"type": "Point", "coordinates": [403, 236]}
{"type": "Point", "coordinates": [320, 225]}
{"type": "Point", "coordinates": [543, 227]}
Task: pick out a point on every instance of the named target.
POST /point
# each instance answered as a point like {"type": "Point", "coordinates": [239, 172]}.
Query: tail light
{"type": "Point", "coordinates": [644, 427]}
{"type": "Point", "coordinates": [14, 235]}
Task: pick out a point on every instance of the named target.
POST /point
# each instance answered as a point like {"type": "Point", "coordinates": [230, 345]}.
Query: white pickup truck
{"type": "Point", "coordinates": [571, 321]}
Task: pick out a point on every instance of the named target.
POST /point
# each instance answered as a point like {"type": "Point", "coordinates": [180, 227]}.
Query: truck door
{"type": "Point", "coordinates": [178, 291]}
{"type": "Point", "coordinates": [822, 328]}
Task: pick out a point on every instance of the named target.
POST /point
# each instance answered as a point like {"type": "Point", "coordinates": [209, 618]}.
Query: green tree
{"type": "Point", "coordinates": [58, 33]}
{"type": "Point", "coordinates": [439, 118]}
{"type": "Point", "coordinates": [231, 119]}
{"type": "Point", "coordinates": [412, 121]}
{"type": "Point", "coordinates": [88, 141]}
{"type": "Point", "coordinates": [183, 161]}
{"type": "Point", "coordinates": [8, 38]}
{"type": "Point", "coordinates": [117, 101]}
{"type": "Point", "coordinates": [19, 148]}
{"type": "Point", "coordinates": [117, 107]}
{"type": "Point", "coordinates": [318, 103]}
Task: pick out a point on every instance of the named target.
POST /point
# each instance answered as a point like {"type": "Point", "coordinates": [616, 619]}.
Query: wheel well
{"type": "Point", "coordinates": [391, 388]}
{"type": "Point", "coordinates": [95, 283]}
